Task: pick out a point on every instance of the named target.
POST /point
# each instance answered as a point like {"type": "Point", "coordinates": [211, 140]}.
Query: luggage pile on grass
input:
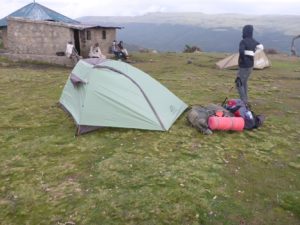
{"type": "Point", "coordinates": [234, 115]}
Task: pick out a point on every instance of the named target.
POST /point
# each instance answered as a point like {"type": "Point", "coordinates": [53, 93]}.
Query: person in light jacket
{"type": "Point", "coordinates": [95, 52]}
{"type": "Point", "coordinates": [247, 48]}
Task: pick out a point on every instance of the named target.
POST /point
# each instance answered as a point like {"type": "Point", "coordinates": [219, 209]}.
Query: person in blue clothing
{"type": "Point", "coordinates": [115, 50]}
{"type": "Point", "coordinates": [119, 51]}
{"type": "Point", "coordinates": [248, 46]}
{"type": "Point", "coordinates": [123, 50]}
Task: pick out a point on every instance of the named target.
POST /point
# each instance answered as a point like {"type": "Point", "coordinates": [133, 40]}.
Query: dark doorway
{"type": "Point", "coordinates": [104, 34]}
{"type": "Point", "coordinates": [76, 40]}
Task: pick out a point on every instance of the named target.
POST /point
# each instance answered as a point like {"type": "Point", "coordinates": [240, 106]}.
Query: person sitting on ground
{"type": "Point", "coordinates": [115, 49]}
{"type": "Point", "coordinates": [95, 52]}
{"type": "Point", "coordinates": [123, 50]}
{"type": "Point", "coordinates": [119, 51]}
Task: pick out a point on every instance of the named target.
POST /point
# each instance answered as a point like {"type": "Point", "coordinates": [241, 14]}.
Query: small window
{"type": "Point", "coordinates": [104, 34]}
{"type": "Point", "coordinates": [88, 35]}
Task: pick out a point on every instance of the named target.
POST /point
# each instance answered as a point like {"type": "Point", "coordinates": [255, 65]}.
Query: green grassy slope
{"type": "Point", "coordinates": [126, 176]}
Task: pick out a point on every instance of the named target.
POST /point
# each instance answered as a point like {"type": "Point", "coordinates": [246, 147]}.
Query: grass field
{"type": "Point", "coordinates": [126, 176]}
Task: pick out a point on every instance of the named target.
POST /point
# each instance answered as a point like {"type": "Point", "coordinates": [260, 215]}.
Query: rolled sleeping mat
{"type": "Point", "coordinates": [226, 123]}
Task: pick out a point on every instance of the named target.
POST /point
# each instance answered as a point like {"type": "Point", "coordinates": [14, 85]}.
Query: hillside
{"type": "Point", "coordinates": [219, 32]}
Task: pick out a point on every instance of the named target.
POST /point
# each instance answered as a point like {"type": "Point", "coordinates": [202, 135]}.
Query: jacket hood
{"type": "Point", "coordinates": [247, 31]}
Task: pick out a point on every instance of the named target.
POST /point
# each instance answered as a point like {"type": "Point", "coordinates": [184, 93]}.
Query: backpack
{"type": "Point", "coordinates": [239, 109]}
{"type": "Point", "coordinates": [198, 116]}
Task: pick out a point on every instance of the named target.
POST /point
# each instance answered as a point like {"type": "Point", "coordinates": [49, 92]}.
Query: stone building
{"type": "Point", "coordinates": [37, 33]}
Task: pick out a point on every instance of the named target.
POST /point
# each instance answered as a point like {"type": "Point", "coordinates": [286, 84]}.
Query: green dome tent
{"type": "Point", "coordinates": [109, 93]}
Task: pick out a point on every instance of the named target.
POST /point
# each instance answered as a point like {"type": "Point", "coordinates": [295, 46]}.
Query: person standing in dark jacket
{"type": "Point", "coordinates": [247, 48]}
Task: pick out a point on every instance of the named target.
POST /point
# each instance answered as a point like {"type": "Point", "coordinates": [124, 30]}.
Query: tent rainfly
{"type": "Point", "coordinates": [109, 93]}
{"type": "Point", "coordinates": [260, 61]}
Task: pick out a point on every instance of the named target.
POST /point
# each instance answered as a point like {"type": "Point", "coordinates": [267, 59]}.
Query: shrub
{"type": "Point", "coordinates": [271, 51]}
{"type": "Point", "coordinates": [191, 49]}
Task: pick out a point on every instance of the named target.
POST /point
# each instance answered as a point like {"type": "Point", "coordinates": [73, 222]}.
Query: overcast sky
{"type": "Point", "coordinates": [78, 8]}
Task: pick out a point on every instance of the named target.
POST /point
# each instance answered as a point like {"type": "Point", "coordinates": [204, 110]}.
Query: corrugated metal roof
{"type": "Point", "coordinates": [36, 11]}
{"type": "Point", "coordinates": [69, 25]}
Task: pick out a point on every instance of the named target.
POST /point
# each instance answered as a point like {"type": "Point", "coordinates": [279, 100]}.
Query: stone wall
{"type": "Point", "coordinates": [46, 38]}
{"type": "Point", "coordinates": [97, 36]}
{"type": "Point", "coordinates": [51, 59]}
{"type": "Point", "coordinates": [37, 37]}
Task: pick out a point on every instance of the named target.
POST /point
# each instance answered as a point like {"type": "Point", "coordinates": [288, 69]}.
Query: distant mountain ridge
{"type": "Point", "coordinates": [217, 32]}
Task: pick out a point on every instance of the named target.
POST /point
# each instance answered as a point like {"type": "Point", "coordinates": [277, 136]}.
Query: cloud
{"type": "Point", "coordinates": [78, 8]}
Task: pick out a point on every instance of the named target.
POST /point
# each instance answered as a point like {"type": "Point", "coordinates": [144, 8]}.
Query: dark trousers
{"type": "Point", "coordinates": [242, 83]}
